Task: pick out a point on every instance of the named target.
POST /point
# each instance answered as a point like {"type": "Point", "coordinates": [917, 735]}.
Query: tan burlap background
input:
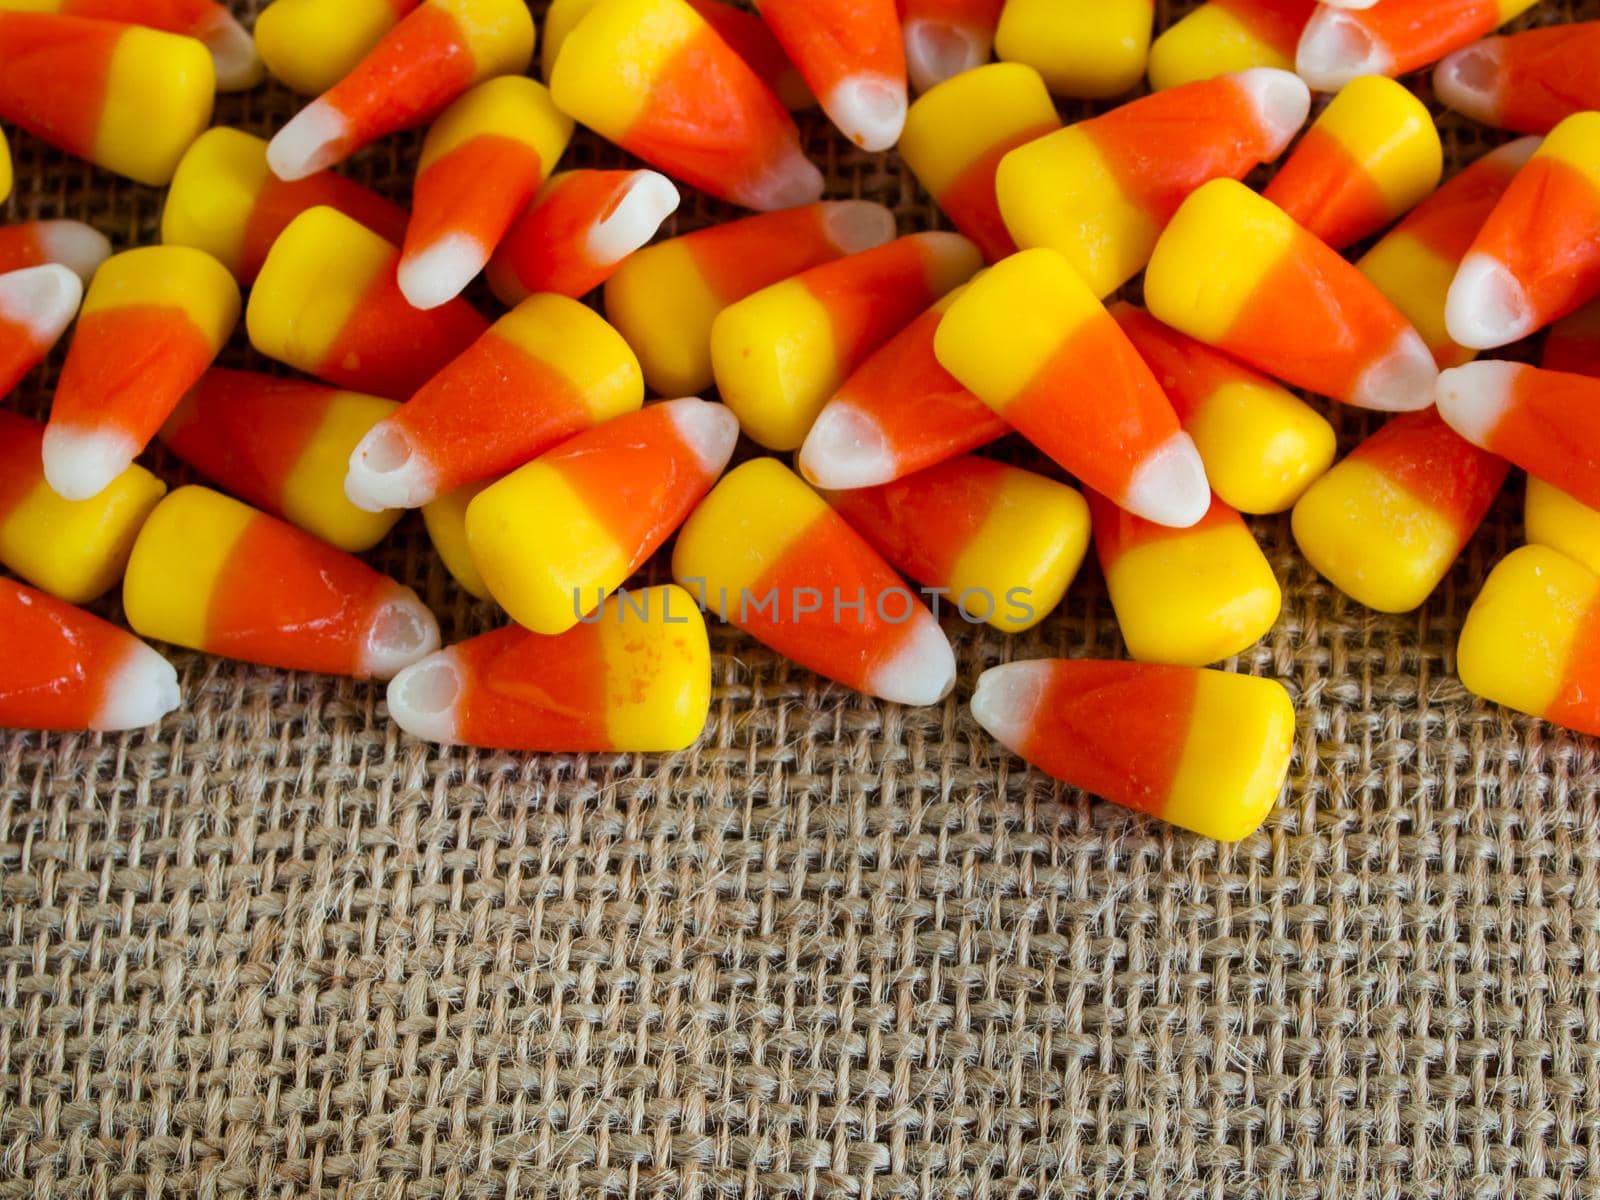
{"type": "Point", "coordinates": [840, 948]}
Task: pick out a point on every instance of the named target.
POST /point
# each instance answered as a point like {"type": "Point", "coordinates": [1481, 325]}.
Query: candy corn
{"type": "Point", "coordinates": [1202, 750]}
{"type": "Point", "coordinates": [956, 135]}
{"type": "Point", "coordinates": [283, 446]}
{"type": "Point", "coordinates": [1369, 159]}
{"type": "Point", "coordinates": [1185, 596]}
{"type": "Point", "coordinates": [635, 679]}
{"type": "Point", "coordinates": [553, 539]}
{"type": "Point", "coordinates": [1087, 48]}
{"type": "Point", "coordinates": [1030, 340]}
{"type": "Point", "coordinates": [61, 668]}
{"type": "Point", "coordinates": [548, 369]}
{"type": "Point", "coordinates": [653, 77]}
{"type": "Point", "coordinates": [312, 44]}
{"type": "Point", "coordinates": [74, 549]}
{"type": "Point", "coordinates": [432, 56]}
{"type": "Point", "coordinates": [1233, 271]}
{"type": "Point", "coordinates": [1573, 343]}
{"type": "Point", "coordinates": [213, 574]}
{"type": "Point", "coordinates": [482, 163]}
{"type": "Point", "coordinates": [125, 97]}
{"type": "Point", "coordinates": [327, 301]}
{"type": "Point", "coordinates": [709, 269]}
{"type": "Point", "coordinates": [71, 243]}
{"type": "Point", "coordinates": [579, 230]}
{"type": "Point", "coordinates": [1223, 36]}
{"type": "Point", "coordinates": [1392, 37]}
{"type": "Point", "coordinates": [446, 522]}
{"type": "Point", "coordinates": [766, 553]}
{"type": "Point", "coordinates": [1529, 82]}
{"type": "Point", "coordinates": [233, 54]}
{"type": "Point", "coordinates": [152, 321]}
{"type": "Point", "coordinates": [1101, 191]}
{"type": "Point", "coordinates": [36, 306]}
{"type": "Point", "coordinates": [1261, 445]}
{"type": "Point", "coordinates": [1532, 639]}
{"type": "Point", "coordinates": [1385, 525]}
{"type": "Point", "coordinates": [1416, 261]}
{"type": "Point", "coordinates": [853, 59]}
{"type": "Point", "coordinates": [899, 412]}
{"type": "Point", "coordinates": [1537, 257]}
{"type": "Point", "coordinates": [998, 543]}
{"type": "Point", "coordinates": [1555, 519]}
{"type": "Point", "coordinates": [944, 38]}
{"type": "Point", "coordinates": [1546, 422]}
{"type": "Point", "coordinates": [780, 353]}
{"type": "Point", "coordinates": [226, 201]}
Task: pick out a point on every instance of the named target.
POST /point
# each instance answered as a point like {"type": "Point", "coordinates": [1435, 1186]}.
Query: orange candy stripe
{"type": "Point", "coordinates": [1543, 230]}
{"type": "Point", "coordinates": [128, 368]}
{"type": "Point", "coordinates": [21, 464]}
{"type": "Point", "coordinates": [546, 249]}
{"type": "Point", "coordinates": [20, 352]}
{"type": "Point", "coordinates": [390, 349]}
{"type": "Point", "coordinates": [1432, 462]}
{"type": "Point", "coordinates": [1577, 706]}
{"type": "Point", "coordinates": [1448, 221]}
{"type": "Point", "coordinates": [972, 204]}
{"type": "Point", "coordinates": [53, 76]}
{"type": "Point", "coordinates": [872, 296]}
{"type": "Point", "coordinates": [1278, 23]}
{"type": "Point", "coordinates": [925, 522]}
{"type": "Point", "coordinates": [1324, 188]}
{"type": "Point", "coordinates": [1116, 532]}
{"type": "Point", "coordinates": [278, 203]}
{"type": "Point", "coordinates": [55, 660]}
{"type": "Point", "coordinates": [752, 40]}
{"type": "Point", "coordinates": [525, 691]}
{"type": "Point", "coordinates": [408, 78]}
{"type": "Point", "coordinates": [1418, 32]}
{"type": "Point", "coordinates": [478, 188]}
{"type": "Point", "coordinates": [965, 14]}
{"type": "Point", "coordinates": [20, 248]}
{"type": "Point", "coordinates": [1552, 428]}
{"type": "Point", "coordinates": [1546, 75]}
{"type": "Point", "coordinates": [744, 256]}
{"type": "Point", "coordinates": [833, 40]}
{"type": "Point", "coordinates": [1190, 372]}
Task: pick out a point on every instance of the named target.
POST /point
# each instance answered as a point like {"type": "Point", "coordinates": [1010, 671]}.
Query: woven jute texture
{"type": "Point", "coordinates": [840, 948]}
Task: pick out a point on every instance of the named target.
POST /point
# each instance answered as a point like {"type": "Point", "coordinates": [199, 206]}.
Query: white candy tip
{"type": "Point", "coordinates": [857, 225]}
{"type": "Point", "coordinates": [80, 463]}
{"type": "Point", "coordinates": [440, 273]}
{"type": "Point", "coordinates": [710, 430]}
{"type": "Point", "coordinates": [1282, 102]}
{"type": "Point", "coordinates": [403, 631]}
{"type": "Point", "coordinates": [424, 696]}
{"type": "Point", "coordinates": [1401, 381]}
{"type": "Point", "coordinates": [1487, 306]}
{"type": "Point", "coordinates": [312, 141]}
{"type": "Point", "coordinates": [1336, 48]}
{"type": "Point", "coordinates": [922, 671]}
{"type": "Point", "coordinates": [1468, 81]}
{"type": "Point", "coordinates": [1516, 154]}
{"type": "Point", "coordinates": [388, 470]}
{"type": "Point", "coordinates": [869, 110]}
{"type": "Point", "coordinates": [1473, 398]}
{"type": "Point", "coordinates": [1170, 487]}
{"type": "Point", "coordinates": [42, 299]}
{"type": "Point", "coordinates": [791, 181]}
{"type": "Point", "coordinates": [76, 246]}
{"type": "Point", "coordinates": [1351, 4]}
{"type": "Point", "coordinates": [233, 51]}
{"type": "Point", "coordinates": [649, 199]}
{"type": "Point", "coordinates": [846, 448]}
{"type": "Point", "coordinates": [1007, 698]}
{"type": "Point", "coordinates": [937, 50]}
{"type": "Point", "coordinates": [142, 691]}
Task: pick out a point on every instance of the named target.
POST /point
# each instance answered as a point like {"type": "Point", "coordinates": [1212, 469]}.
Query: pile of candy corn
{"type": "Point", "coordinates": [881, 362]}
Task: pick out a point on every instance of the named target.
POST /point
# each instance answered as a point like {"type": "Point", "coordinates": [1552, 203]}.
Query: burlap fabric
{"type": "Point", "coordinates": [839, 948]}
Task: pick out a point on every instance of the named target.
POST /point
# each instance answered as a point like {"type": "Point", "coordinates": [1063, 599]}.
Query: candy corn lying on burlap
{"type": "Point", "coordinates": [1573, 343]}
{"type": "Point", "coordinates": [1532, 639]}
{"type": "Point", "coordinates": [996, 543]}
{"type": "Point", "coordinates": [1222, 36]}
{"type": "Point", "coordinates": [709, 269]}
{"type": "Point", "coordinates": [125, 97]}
{"type": "Point", "coordinates": [1100, 191]}
{"type": "Point", "coordinates": [446, 522]}
{"type": "Point", "coordinates": [213, 574]}
{"type": "Point", "coordinates": [1233, 271]}
{"type": "Point", "coordinates": [283, 446]}
{"type": "Point", "coordinates": [945, 38]}
{"type": "Point", "coordinates": [1086, 48]}
{"type": "Point", "coordinates": [328, 302]}
{"type": "Point", "coordinates": [548, 369]}
{"type": "Point", "coordinates": [233, 54]}
{"type": "Point", "coordinates": [152, 321]}
{"type": "Point", "coordinates": [634, 679]}
{"type": "Point", "coordinates": [1030, 340]}
{"type": "Point", "coordinates": [36, 306]}
{"type": "Point", "coordinates": [553, 539]}
{"type": "Point", "coordinates": [1392, 37]}
{"type": "Point", "coordinates": [62, 668]}
{"type": "Point", "coordinates": [1202, 750]}
{"type": "Point", "coordinates": [79, 247]}
{"type": "Point", "coordinates": [853, 59]}
{"type": "Point", "coordinates": [1385, 525]}
{"type": "Point", "coordinates": [1555, 519]}
{"type": "Point", "coordinates": [73, 549]}
{"type": "Point", "coordinates": [226, 201]}
{"type": "Point", "coordinates": [767, 554]}
{"type": "Point", "coordinates": [312, 44]}
{"type": "Point", "coordinates": [1529, 82]}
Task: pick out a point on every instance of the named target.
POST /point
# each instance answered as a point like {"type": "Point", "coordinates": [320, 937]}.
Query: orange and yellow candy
{"type": "Point", "coordinates": [6, 176]}
{"type": "Point", "coordinates": [1573, 343]}
{"type": "Point", "coordinates": [282, 445]}
{"type": "Point", "coordinates": [945, 38]}
{"type": "Point", "coordinates": [998, 543]}
{"type": "Point", "coordinates": [73, 244]}
{"type": "Point", "coordinates": [36, 306]}
{"type": "Point", "coordinates": [1100, 191]}
{"type": "Point", "coordinates": [125, 97]}
{"type": "Point", "coordinates": [446, 522]}
{"type": "Point", "coordinates": [1030, 340]}
{"type": "Point", "coordinates": [1529, 82]}
{"type": "Point", "coordinates": [327, 301]}
{"type": "Point", "coordinates": [633, 679]}
{"type": "Point", "coordinates": [212, 574]}
{"type": "Point", "coordinates": [152, 321]}
{"type": "Point", "coordinates": [1555, 519]}
{"type": "Point", "coordinates": [853, 59]}
{"type": "Point", "coordinates": [1085, 48]}
{"type": "Point", "coordinates": [1392, 37]}
{"type": "Point", "coordinates": [1532, 639]}
{"type": "Point", "coordinates": [545, 371]}
{"type": "Point", "coordinates": [1385, 525]}
{"type": "Point", "coordinates": [709, 269]}
{"type": "Point", "coordinates": [1203, 750]}
{"type": "Point", "coordinates": [233, 54]}
{"type": "Point", "coordinates": [1223, 36]}
{"type": "Point", "coordinates": [312, 44]}
{"type": "Point", "coordinates": [554, 538]}
{"type": "Point", "coordinates": [767, 554]}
